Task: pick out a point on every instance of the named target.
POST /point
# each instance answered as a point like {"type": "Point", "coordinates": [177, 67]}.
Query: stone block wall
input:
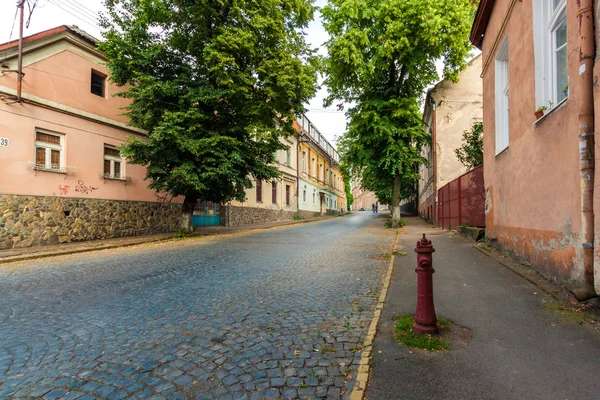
{"type": "Point", "coordinates": [40, 220]}
{"type": "Point", "coordinates": [242, 216]}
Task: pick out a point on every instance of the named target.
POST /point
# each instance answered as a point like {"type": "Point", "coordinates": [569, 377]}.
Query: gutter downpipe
{"type": "Point", "coordinates": [434, 148]}
{"type": "Point", "coordinates": [585, 101]}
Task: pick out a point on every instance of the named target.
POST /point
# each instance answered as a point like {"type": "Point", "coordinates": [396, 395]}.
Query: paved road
{"type": "Point", "coordinates": [274, 314]}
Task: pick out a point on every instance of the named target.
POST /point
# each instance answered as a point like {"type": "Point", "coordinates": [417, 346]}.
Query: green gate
{"type": "Point", "coordinates": [206, 213]}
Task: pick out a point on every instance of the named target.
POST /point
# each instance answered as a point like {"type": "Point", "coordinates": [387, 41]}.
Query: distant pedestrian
{"type": "Point", "coordinates": [373, 207]}
{"type": "Point", "coordinates": [376, 208]}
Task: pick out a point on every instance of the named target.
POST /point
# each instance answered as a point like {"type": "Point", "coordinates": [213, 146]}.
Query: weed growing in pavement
{"type": "Point", "coordinates": [401, 223]}
{"type": "Point", "coordinates": [298, 217]}
{"type": "Point", "coordinates": [404, 334]}
{"type": "Point", "coordinates": [573, 315]}
{"type": "Point", "coordinates": [348, 326]}
{"type": "Point", "coordinates": [184, 234]}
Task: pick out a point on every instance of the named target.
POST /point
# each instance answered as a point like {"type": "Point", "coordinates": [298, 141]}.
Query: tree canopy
{"type": "Point", "coordinates": [382, 56]}
{"type": "Point", "coordinates": [215, 84]}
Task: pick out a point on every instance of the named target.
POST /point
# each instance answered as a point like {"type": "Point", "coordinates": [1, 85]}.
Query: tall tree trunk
{"type": "Point", "coordinates": [187, 210]}
{"type": "Point", "coordinates": [396, 202]}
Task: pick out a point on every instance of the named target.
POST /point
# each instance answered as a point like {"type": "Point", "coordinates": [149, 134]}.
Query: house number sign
{"type": "Point", "coordinates": [3, 142]}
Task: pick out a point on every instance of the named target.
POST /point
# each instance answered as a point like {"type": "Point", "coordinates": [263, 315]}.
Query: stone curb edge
{"type": "Point", "coordinates": [362, 378]}
{"type": "Point", "coordinates": [36, 256]}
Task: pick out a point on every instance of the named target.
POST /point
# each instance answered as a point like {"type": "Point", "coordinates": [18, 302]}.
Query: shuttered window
{"type": "Point", "coordinates": [48, 151]}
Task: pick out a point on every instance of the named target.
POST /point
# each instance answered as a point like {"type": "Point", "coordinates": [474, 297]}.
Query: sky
{"type": "Point", "coordinates": [83, 13]}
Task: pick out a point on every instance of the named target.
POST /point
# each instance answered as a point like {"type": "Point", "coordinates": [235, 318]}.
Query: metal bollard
{"type": "Point", "coordinates": [425, 319]}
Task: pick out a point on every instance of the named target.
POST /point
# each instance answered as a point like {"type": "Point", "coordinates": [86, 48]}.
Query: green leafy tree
{"type": "Point", "coordinates": [215, 84]}
{"type": "Point", "coordinates": [470, 154]}
{"type": "Point", "coordinates": [382, 55]}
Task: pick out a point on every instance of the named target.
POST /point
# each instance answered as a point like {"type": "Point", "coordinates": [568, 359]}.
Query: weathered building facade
{"type": "Point", "coordinates": [450, 109]}
{"type": "Point", "coordinates": [540, 172]}
{"type": "Point", "coordinates": [62, 177]}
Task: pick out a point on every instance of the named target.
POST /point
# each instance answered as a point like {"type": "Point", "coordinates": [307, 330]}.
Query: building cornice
{"type": "Point", "coordinates": [54, 106]}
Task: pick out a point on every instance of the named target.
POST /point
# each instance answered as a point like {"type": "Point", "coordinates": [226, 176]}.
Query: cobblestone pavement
{"type": "Point", "coordinates": [273, 314]}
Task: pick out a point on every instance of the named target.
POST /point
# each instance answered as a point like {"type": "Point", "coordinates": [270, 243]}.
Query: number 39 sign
{"type": "Point", "coordinates": [3, 142]}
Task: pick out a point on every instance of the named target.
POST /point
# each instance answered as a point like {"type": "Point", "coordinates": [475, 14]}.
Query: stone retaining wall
{"type": "Point", "coordinates": [243, 216]}
{"type": "Point", "coordinates": [40, 220]}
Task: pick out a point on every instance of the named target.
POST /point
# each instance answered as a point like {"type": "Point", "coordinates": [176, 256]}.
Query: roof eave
{"type": "Point", "coordinates": [480, 23]}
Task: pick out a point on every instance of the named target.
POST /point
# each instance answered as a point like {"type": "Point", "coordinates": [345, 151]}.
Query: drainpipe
{"type": "Point", "coordinates": [585, 101]}
{"type": "Point", "coordinates": [434, 148]}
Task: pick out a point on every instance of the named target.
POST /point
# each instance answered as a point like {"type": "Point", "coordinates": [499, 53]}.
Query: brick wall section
{"type": "Point", "coordinates": [243, 216]}
{"type": "Point", "coordinates": [40, 220]}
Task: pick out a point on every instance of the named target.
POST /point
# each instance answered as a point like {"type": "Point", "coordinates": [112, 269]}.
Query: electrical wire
{"type": "Point", "coordinates": [72, 9]}
{"type": "Point", "coordinates": [59, 5]}
{"type": "Point", "coordinates": [77, 7]}
{"type": "Point", "coordinates": [91, 12]}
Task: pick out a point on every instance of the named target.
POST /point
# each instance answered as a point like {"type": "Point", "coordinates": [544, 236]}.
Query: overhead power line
{"type": "Point", "coordinates": [86, 20]}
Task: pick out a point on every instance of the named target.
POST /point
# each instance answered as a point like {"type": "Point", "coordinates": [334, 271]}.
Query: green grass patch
{"type": "Point", "coordinates": [404, 334]}
{"type": "Point", "coordinates": [183, 234]}
{"type": "Point", "coordinates": [401, 223]}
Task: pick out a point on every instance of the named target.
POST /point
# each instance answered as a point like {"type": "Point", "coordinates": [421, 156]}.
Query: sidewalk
{"type": "Point", "coordinates": [29, 253]}
{"type": "Point", "coordinates": [515, 346]}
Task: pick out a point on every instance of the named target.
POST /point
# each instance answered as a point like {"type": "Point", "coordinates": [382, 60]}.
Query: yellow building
{"type": "Point", "coordinates": [321, 185]}
{"type": "Point", "coordinates": [313, 189]}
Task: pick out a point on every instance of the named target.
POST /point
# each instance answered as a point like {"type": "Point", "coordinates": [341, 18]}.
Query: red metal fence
{"type": "Point", "coordinates": [462, 201]}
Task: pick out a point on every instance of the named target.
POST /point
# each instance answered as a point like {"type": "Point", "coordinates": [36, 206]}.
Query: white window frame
{"type": "Point", "coordinates": [48, 148]}
{"type": "Point", "coordinates": [545, 24]}
{"type": "Point", "coordinates": [501, 91]}
{"type": "Point", "coordinates": [113, 159]}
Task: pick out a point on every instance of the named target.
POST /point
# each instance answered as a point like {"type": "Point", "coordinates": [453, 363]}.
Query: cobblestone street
{"type": "Point", "coordinates": [279, 313]}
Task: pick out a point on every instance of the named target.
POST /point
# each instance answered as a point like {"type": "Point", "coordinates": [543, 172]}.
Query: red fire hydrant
{"type": "Point", "coordinates": [425, 319]}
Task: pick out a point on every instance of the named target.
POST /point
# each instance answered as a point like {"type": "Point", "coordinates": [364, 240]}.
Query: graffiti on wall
{"type": "Point", "coordinates": [63, 190]}
{"type": "Point", "coordinates": [163, 198]}
{"type": "Point", "coordinates": [82, 188]}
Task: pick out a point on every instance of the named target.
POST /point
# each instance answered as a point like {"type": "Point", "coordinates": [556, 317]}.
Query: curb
{"type": "Point", "coordinates": [364, 368]}
{"type": "Point", "coordinates": [76, 251]}
{"type": "Point", "coordinates": [36, 256]}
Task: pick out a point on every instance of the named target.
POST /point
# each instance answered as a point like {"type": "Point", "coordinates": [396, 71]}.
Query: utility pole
{"type": "Point", "coordinates": [20, 62]}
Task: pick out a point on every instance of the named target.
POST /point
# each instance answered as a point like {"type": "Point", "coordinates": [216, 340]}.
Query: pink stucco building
{"type": "Point", "coordinates": [542, 189]}
{"type": "Point", "coordinates": [62, 176]}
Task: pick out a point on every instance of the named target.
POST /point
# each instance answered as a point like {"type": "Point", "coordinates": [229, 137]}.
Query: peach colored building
{"type": "Point", "coordinates": [540, 175]}
{"type": "Point", "coordinates": [450, 109]}
{"type": "Point", "coordinates": [364, 199]}
{"type": "Point", "coordinates": [62, 176]}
